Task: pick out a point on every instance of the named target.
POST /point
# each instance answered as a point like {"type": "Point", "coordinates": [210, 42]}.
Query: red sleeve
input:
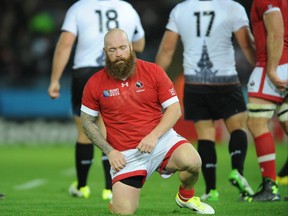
{"type": "Point", "coordinates": [264, 5]}
{"type": "Point", "coordinates": [89, 97]}
{"type": "Point", "coordinates": [166, 88]}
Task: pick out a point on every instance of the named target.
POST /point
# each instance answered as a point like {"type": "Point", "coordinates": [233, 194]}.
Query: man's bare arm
{"type": "Point", "coordinates": [246, 42]}
{"type": "Point", "coordinates": [275, 42]}
{"type": "Point", "coordinates": [167, 49]}
{"type": "Point", "coordinates": [60, 59]}
{"type": "Point", "coordinates": [139, 45]}
{"type": "Point", "coordinates": [93, 132]}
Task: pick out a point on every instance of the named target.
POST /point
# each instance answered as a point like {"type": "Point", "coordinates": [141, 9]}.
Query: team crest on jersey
{"type": "Point", "coordinates": [172, 91]}
{"type": "Point", "coordinates": [252, 83]}
{"type": "Point", "coordinates": [111, 92]}
{"type": "Point", "coordinates": [140, 86]}
{"type": "Point", "coordinates": [270, 6]}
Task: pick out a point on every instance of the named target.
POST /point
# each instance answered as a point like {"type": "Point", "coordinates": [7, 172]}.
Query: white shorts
{"type": "Point", "coordinates": [260, 86]}
{"type": "Point", "coordinates": [144, 164]}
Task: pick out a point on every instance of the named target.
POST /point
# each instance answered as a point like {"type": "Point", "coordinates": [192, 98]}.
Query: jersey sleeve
{"type": "Point", "coordinates": [70, 23]}
{"type": "Point", "coordinates": [171, 25]}
{"type": "Point", "coordinates": [139, 31]}
{"type": "Point", "coordinates": [166, 92]}
{"type": "Point", "coordinates": [265, 6]}
{"type": "Point", "coordinates": [90, 103]}
{"type": "Point", "coordinates": [240, 18]}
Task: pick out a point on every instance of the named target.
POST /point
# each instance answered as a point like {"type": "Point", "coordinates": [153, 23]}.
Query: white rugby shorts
{"type": "Point", "coordinates": [260, 86]}
{"type": "Point", "coordinates": [144, 164]}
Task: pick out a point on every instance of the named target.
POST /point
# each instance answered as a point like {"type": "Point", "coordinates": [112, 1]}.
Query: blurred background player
{"type": "Point", "coordinates": [88, 21]}
{"type": "Point", "coordinates": [267, 88]}
{"type": "Point", "coordinates": [212, 88]}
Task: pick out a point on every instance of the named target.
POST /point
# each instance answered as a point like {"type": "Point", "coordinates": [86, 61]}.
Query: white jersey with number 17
{"type": "Point", "coordinates": [206, 29]}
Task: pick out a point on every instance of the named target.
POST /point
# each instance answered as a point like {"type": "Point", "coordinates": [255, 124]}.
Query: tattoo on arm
{"type": "Point", "coordinates": [92, 131]}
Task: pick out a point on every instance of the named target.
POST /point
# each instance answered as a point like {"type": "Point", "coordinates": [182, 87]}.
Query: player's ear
{"type": "Point", "coordinates": [131, 46]}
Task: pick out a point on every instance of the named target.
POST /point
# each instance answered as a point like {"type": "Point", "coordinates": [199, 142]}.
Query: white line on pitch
{"type": "Point", "coordinates": [31, 184]}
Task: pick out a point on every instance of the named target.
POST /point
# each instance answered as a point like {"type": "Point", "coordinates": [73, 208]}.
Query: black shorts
{"type": "Point", "coordinates": [134, 181]}
{"type": "Point", "coordinates": [216, 105]}
{"type": "Point", "coordinates": [79, 79]}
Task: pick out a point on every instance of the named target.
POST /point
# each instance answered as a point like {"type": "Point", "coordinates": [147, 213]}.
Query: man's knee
{"type": "Point", "coordinates": [185, 158]}
{"type": "Point", "coordinates": [120, 210]}
{"type": "Point", "coordinates": [193, 162]}
{"type": "Point", "coordinates": [130, 192]}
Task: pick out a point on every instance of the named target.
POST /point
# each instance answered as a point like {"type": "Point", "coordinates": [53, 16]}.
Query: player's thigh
{"type": "Point", "coordinates": [260, 111]}
{"type": "Point", "coordinates": [125, 198]}
{"type": "Point", "coordinates": [184, 157]}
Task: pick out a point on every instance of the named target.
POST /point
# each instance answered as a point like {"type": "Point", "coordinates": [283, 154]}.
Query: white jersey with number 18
{"type": "Point", "coordinates": [90, 20]}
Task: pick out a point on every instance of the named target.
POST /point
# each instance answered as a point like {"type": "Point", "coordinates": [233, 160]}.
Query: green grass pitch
{"type": "Point", "coordinates": [35, 180]}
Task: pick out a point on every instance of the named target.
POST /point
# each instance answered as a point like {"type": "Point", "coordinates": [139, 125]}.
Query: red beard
{"type": "Point", "coordinates": [121, 68]}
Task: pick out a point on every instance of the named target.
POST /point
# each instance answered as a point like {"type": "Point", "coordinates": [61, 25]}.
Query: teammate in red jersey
{"type": "Point", "coordinates": [139, 106]}
{"type": "Point", "coordinates": [267, 87]}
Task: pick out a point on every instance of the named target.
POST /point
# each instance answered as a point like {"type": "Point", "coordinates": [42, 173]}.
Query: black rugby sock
{"type": "Point", "coordinates": [84, 157]}
{"type": "Point", "coordinates": [238, 149]}
{"type": "Point", "coordinates": [207, 152]}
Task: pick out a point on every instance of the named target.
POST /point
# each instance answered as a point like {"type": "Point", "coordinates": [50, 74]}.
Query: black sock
{"type": "Point", "coordinates": [284, 170]}
{"type": "Point", "coordinates": [84, 157]}
{"type": "Point", "coordinates": [207, 152]}
{"type": "Point", "coordinates": [106, 167]}
{"type": "Point", "coordinates": [238, 149]}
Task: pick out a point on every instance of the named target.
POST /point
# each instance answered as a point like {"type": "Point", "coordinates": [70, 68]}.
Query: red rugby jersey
{"type": "Point", "coordinates": [259, 7]}
{"type": "Point", "coordinates": [131, 108]}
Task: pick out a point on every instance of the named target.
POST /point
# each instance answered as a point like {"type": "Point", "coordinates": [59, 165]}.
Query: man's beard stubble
{"type": "Point", "coordinates": [121, 70]}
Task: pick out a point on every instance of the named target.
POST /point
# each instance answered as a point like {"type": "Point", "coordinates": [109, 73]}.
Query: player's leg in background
{"type": "Point", "coordinates": [84, 154]}
{"type": "Point", "coordinates": [206, 134]}
{"type": "Point", "coordinates": [237, 127]}
{"type": "Point", "coordinates": [260, 113]}
{"type": "Point", "coordinates": [282, 114]}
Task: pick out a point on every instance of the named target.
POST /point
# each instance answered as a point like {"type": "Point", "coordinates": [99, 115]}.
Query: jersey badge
{"type": "Point", "coordinates": [111, 92]}
{"type": "Point", "coordinates": [140, 86]}
{"type": "Point", "coordinates": [172, 91]}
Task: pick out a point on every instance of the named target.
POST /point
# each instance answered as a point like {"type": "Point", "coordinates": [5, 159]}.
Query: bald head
{"type": "Point", "coordinates": [115, 37]}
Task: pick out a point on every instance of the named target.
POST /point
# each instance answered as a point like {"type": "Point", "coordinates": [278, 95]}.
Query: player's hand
{"type": "Point", "coordinates": [116, 160]}
{"type": "Point", "coordinates": [54, 90]}
{"type": "Point", "coordinates": [147, 144]}
{"type": "Point", "coordinates": [280, 84]}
